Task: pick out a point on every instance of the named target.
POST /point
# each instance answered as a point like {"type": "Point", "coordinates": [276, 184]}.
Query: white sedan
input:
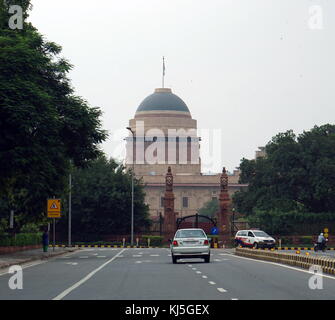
{"type": "Point", "coordinates": [190, 243]}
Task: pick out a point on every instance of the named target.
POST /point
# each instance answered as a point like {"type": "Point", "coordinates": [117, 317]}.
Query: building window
{"type": "Point", "coordinates": [162, 202]}
{"type": "Point", "coordinates": [185, 202]}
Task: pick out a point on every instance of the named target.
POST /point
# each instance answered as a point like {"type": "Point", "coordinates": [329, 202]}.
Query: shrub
{"type": "Point", "coordinates": [20, 239]}
{"type": "Point", "coordinates": [155, 241]}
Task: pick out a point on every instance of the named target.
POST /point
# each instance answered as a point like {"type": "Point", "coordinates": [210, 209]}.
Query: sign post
{"type": "Point", "coordinates": [54, 211]}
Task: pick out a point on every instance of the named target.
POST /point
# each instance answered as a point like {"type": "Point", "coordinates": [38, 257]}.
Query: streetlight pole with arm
{"type": "Point", "coordinates": [132, 191]}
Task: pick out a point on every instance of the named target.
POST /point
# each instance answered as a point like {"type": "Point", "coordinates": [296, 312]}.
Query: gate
{"type": "Point", "coordinates": [197, 221]}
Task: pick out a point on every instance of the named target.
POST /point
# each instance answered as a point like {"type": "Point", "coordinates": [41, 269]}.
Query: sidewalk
{"type": "Point", "coordinates": [21, 257]}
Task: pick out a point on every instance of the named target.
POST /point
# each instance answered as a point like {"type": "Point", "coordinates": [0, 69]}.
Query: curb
{"type": "Point", "coordinates": [101, 246]}
{"type": "Point", "coordinates": [303, 261]}
{"type": "Point", "coordinates": [291, 248]}
{"type": "Point", "coordinates": [7, 265]}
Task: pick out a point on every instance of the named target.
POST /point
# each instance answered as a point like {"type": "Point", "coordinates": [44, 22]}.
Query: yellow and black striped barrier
{"type": "Point", "coordinates": [303, 261]}
{"type": "Point", "coordinates": [98, 246]}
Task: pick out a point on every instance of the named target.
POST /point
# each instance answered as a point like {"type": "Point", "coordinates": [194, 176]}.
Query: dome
{"type": "Point", "coordinates": [163, 100]}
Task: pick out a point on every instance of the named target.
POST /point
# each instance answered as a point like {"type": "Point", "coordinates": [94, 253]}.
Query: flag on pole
{"type": "Point", "coordinates": [163, 66]}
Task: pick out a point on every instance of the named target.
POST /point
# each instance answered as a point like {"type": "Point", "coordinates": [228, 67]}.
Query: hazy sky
{"type": "Point", "coordinates": [251, 68]}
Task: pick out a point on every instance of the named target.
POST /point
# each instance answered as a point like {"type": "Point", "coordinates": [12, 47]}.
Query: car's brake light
{"type": "Point", "coordinates": [175, 243]}
{"type": "Point", "coordinates": [206, 242]}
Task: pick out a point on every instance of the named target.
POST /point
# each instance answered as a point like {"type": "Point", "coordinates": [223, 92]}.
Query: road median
{"type": "Point", "coordinates": [293, 259]}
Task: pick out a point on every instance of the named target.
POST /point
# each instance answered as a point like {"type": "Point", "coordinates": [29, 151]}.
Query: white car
{"type": "Point", "coordinates": [254, 238]}
{"type": "Point", "coordinates": [190, 243]}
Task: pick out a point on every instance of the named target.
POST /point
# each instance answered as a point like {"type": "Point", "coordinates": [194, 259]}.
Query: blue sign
{"type": "Point", "coordinates": [214, 230]}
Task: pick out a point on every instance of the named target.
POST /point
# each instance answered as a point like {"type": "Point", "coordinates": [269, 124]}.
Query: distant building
{"type": "Point", "coordinates": [166, 135]}
{"type": "Point", "coordinates": [260, 153]}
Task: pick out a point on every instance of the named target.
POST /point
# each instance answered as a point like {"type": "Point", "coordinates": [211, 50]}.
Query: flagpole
{"type": "Point", "coordinates": [163, 72]}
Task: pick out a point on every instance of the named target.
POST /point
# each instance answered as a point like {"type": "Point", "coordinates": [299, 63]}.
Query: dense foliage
{"type": "Point", "coordinates": [210, 208]}
{"type": "Point", "coordinates": [297, 175]}
{"type": "Point", "coordinates": [43, 125]}
{"type": "Point", "coordinates": [101, 201]}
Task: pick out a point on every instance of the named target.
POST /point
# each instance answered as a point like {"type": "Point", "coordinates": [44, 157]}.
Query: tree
{"type": "Point", "coordinates": [297, 174]}
{"type": "Point", "coordinates": [210, 208]}
{"type": "Point", "coordinates": [101, 201]}
{"type": "Point", "coordinates": [44, 126]}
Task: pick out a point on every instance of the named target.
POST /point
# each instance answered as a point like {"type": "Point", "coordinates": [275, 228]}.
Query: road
{"type": "Point", "coordinates": [148, 274]}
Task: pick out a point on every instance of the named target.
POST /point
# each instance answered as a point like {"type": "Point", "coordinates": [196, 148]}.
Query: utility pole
{"type": "Point", "coordinates": [70, 208]}
{"type": "Point", "coordinates": [132, 192]}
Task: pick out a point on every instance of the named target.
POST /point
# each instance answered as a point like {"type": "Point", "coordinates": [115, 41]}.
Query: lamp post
{"type": "Point", "coordinates": [132, 193]}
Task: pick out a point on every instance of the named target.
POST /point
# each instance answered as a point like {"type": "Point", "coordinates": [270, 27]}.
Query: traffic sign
{"type": "Point", "coordinates": [54, 208]}
{"type": "Point", "coordinates": [325, 230]}
{"type": "Point", "coordinates": [214, 231]}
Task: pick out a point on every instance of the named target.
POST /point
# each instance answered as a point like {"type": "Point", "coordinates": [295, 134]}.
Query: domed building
{"type": "Point", "coordinates": [165, 135]}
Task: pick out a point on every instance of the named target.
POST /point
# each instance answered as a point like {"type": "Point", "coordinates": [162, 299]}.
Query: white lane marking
{"type": "Point", "coordinates": [64, 257]}
{"type": "Point", "coordinates": [120, 256]}
{"type": "Point", "coordinates": [194, 268]}
{"type": "Point", "coordinates": [147, 261]}
{"type": "Point", "coordinates": [281, 265]}
{"type": "Point", "coordinates": [205, 277]}
{"type": "Point", "coordinates": [101, 256]}
{"type": "Point", "coordinates": [90, 275]}
{"type": "Point", "coordinates": [94, 254]}
{"type": "Point", "coordinates": [72, 263]}
{"type": "Point", "coordinates": [136, 255]}
{"type": "Point", "coordinates": [37, 262]}
{"type": "Point", "coordinates": [24, 266]}
{"type": "Point", "coordinates": [221, 290]}
{"type": "Point", "coordinates": [154, 255]}
{"type": "Point", "coordinates": [218, 260]}
{"type": "Point", "coordinates": [198, 272]}
{"type": "Point", "coordinates": [83, 257]}
{"type": "Point", "coordinates": [190, 265]}
{"type": "Point", "coordinates": [211, 282]}
{"type": "Point", "coordinates": [169, 255]}
{"type": "Point", "coordinates": [234, 299]}
{"type": "Point", "coordinates": [138, 262]}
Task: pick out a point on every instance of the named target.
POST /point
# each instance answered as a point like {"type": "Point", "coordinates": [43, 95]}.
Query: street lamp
{"type": "Point", "coordinates": [132, 193]}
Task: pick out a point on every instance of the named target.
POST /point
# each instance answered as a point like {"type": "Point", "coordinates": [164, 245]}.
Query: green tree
{"type": "Point", "coordinates": [44, 126]}
{"type": "Point", "coordinates": [297, 174]}
{"type": "Point", "coordinates": [101, 201]}
{"type": "Point", "coordinates": [210, 208]}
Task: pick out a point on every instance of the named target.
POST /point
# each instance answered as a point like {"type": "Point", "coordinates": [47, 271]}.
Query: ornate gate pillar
{"type": "Point", "coordinates": [169, 226]}
{"type": "Point", "coordinates": [224, 212]}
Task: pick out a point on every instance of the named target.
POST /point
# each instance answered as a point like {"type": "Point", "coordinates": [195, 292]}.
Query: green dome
{"type": "Point", "coordinates": [163, 100]}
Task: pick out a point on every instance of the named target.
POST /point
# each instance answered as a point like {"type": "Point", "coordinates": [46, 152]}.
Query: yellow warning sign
{"type": "Point", "coordinates": [54, 208]}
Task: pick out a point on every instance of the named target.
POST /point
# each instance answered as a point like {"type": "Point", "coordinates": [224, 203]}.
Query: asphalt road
{"type": "Point", "coordinates": [148, 274]}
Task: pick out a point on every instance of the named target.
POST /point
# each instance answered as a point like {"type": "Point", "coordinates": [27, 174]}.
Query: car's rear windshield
{"type": "Point", "coordinates": [260, 234]}
{"type": "Point", "coordinates": [190, 234]}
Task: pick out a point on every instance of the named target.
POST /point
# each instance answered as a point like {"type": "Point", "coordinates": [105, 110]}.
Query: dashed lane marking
{"type": "Point", "coordinates": [198, 272]}
{"type": "Point", "coordinates": [205, 277]}
{"type": "Point", "coordinates": [101, 256]}
{"type": "Point", "coordinates": [221, 290]}
{"type": "Point", "coordinates": [90, 275]}
{"type": "Point", "coordinates": [211, 282]}
{"type": "Point", "coordinates": [83, 257]}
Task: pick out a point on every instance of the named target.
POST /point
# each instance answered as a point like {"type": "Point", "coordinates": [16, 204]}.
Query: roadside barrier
{"type": "Point", "coordinates": [97, 246]}
{"type": "Point", "coordinates": [298, 260]}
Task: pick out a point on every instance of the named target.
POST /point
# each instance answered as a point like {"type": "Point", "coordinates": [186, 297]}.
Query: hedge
{"type": "Point", "coordinates": [154, 240]}
{"type": "Point", "coordinates": [20, 239]}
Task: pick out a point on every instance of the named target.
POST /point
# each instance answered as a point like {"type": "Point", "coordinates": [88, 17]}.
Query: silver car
{"type": "Point", "coordinates": [190, 243]}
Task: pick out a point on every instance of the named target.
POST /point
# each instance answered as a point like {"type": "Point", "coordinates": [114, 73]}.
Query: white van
{"type": "Point", "coordinates": [254, 238]}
